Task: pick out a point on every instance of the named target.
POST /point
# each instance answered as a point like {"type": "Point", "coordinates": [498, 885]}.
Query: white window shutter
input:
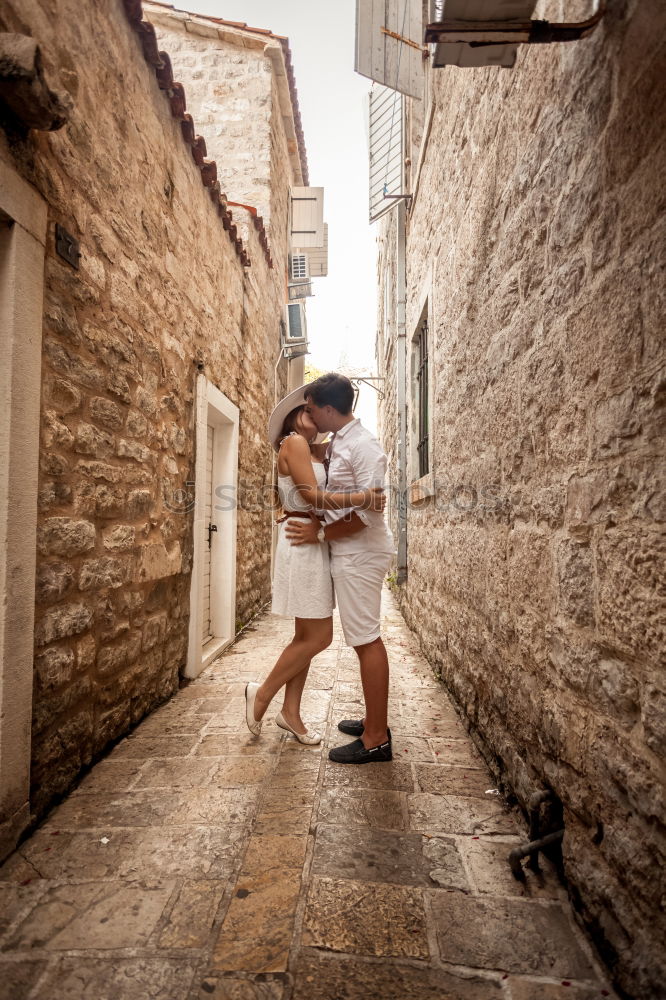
{"type": "Point", "coordinates": [383, 58]}
{"type": "Point", "coordinates": [387, 152]}
{"type": "Point", "coordinates": [307, 217]}
{"type": "Point", "coordinates": [318, 258]}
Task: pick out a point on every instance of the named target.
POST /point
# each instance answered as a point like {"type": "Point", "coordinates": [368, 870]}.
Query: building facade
{"type": "Point", "coordinates": [143, 344]}
{"type": "Point", "coordinates": [520, 336]}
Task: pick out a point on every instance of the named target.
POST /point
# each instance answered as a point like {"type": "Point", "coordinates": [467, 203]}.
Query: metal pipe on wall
{"type": "Point", "coordinates": [401, 364]}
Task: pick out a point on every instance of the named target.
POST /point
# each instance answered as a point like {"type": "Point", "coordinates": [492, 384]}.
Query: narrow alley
{"type": "Point", "coordinates": [197, 861]}
{"type": "Point", "coordinates": [256, 251]}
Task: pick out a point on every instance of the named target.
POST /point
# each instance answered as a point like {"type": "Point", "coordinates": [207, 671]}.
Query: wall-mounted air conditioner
{"type": "Point", "coordinates": [299, 267]}
{"type": "Point", "coordinates": [300, 290]}
{"type": "Point", "coordinates": [296, 331]}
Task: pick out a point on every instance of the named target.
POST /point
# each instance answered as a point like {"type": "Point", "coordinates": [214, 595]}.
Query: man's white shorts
{"type": "Point", "coordinates": [358, 578]}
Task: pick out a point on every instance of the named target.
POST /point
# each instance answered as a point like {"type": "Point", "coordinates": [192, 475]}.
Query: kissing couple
{"type": "Point", "coordinates": [333, 546]}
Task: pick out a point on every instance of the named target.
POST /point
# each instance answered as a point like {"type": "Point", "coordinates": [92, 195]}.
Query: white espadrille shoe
{"type": "Point", "coordinates": [250, 693]}
{"type": "Point", "coordinates": [310, 737]}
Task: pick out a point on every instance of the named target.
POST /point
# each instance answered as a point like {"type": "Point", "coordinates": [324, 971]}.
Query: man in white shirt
{"type": "Point", "coordinates": [361, 550]}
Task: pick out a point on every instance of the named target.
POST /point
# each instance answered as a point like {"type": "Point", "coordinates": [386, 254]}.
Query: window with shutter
{"type": "Point", "coordinates": [387, 149]}
{"type": "Point", "coordinates": [421, 399]}
{"type": "Point", "coordinates": [389, 43]}
{"type": "Point", "coordinates": [307, 217]}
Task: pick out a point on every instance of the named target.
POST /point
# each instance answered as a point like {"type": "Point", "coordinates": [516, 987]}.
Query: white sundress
{"type": "Point", "coordinates": [302, 584]}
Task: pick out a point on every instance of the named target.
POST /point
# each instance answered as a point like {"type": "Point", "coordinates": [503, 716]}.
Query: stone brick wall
{"type": "Point", "coordinates": [228, 89]}
{"type": "Point", "coordinates": [539, 212]}
{"type": "Point", "coordinates": [159, 291]}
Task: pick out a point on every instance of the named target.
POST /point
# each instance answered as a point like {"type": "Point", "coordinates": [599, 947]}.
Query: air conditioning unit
{"type": "Point", "coordinates": [299, 267]}
{"type": "Point", "coordinates": [296, 331]}
{"type": "Point", "coordinates": [300, 290]}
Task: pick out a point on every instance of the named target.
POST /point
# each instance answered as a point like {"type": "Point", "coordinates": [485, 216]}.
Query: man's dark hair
{"type": "Point", "coordinates": [332, 390]}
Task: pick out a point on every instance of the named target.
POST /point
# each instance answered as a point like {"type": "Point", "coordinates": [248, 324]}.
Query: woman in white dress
{"type": "Point", "coordinates": [302, 584]}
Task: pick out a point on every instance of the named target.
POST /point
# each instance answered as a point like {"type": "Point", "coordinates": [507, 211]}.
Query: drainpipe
{"type": "Point", "coordinates": [402, 391]}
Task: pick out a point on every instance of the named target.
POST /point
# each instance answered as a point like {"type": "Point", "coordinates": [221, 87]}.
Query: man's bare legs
{"type": "Point", "coordinates": [375, 680]}
{"type": "Point", "coordinates": [311, 636]}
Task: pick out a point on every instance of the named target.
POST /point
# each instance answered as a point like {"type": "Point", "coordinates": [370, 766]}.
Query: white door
{"type": "Point", "coordinates": [206, 630]}
{"type": "Point", "coordinates": [213, 584]}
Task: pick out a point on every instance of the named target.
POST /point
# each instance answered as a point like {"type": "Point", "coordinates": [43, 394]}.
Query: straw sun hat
{"type": "Point", "coordinates": [284, 407]}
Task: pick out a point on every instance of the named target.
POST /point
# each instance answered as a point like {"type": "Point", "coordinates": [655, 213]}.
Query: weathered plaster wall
{"type": "Point", "coordinates": [540, 209]}
{"type": "Point", "coordinates": [160, 287]}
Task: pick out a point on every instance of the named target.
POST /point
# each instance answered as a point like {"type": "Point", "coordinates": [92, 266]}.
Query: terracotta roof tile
{"type": "Point", "coordinates": [164, 73]}
{"type": "Point", "coordinates": [199, 150]}
{"type": "Point", "coordinates": [177, 100]}
{"type": "Point", "coordinates": [149, 42]}
{"type": "Point", "coordinates": [209, 173]}
{"type": "Point", "coordinates": [134, 10]}
{"type": "Point", "coordinates": [187, 128]}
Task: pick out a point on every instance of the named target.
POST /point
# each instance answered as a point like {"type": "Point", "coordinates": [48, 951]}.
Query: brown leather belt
{"type": "Point", "coordinates": [298, 513]}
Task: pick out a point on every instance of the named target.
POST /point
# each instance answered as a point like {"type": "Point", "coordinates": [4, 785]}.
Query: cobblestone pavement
{"type": "Point", "coordinates": [196, 861]}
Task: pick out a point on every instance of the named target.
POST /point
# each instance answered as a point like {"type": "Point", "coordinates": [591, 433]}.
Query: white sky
{"type": "Point", "coordinates": [331, 96]}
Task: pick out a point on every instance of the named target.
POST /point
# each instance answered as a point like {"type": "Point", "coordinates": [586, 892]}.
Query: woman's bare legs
{"type": "Point", "coordinates": [311, 636]}
{"type": "Point", "coordinates": [293, 689]}
{"type": "Point", "coordinates": [291, 703]}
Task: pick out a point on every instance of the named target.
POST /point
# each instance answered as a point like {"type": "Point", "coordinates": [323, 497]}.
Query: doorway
{"type": "Point", "coordinates": [23, 221]}
{"type": "Point", "coordinates": [213, 584]}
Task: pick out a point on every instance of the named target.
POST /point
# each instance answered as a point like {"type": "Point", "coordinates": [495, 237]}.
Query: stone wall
{"type": "Point", "coordinates": [539, 213]}
{"type": "Point", "coordinates": [228, 87]}
{"type": "Point", "coordinates": [160, 291]}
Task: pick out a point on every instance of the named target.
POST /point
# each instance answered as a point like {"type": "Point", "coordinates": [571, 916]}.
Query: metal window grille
{"type": "Point", "coordinates": [422, 393]}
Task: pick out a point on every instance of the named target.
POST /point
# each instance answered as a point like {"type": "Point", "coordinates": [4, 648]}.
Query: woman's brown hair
{"type": "Point", "coordinates": [289, 425]}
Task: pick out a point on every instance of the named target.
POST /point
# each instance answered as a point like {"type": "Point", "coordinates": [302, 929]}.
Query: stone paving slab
{"type": "Point", "coordinates": [198, 861]}
{"type": "Point", "coordinates": [511, 934]}
{"type": "Point", "coordinates": [335, 919]}
{"type": "Point", "coordinates": [19, 977]}
{"type": "Point", "coordinates": [320, 977]}
{"type": "Point", "coordinates": [371, 855]}
{"type": "Point", "coordinates": [224, 986]}
{"type": "Point", "coordinates": [377, 808]}
{"type": "Point", "coordinates": [81, 978]}
{"type": "Point", "coordinates": [263, 901]}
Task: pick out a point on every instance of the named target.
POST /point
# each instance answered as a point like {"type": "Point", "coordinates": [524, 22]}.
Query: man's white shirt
{"type": "Point", "coordinates": [357, 462]}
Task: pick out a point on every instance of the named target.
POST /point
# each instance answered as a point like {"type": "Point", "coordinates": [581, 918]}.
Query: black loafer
{"type": "Point", "coordinates": [356, 753]}
{"type": "Point", "coordinates": [354, 727]}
